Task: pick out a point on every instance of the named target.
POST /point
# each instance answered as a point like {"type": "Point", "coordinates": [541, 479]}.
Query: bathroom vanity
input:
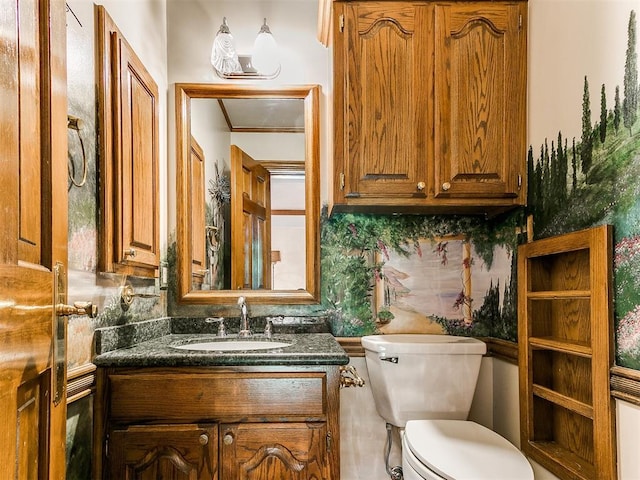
{"type": "Point", "coordinates": [174, 413]}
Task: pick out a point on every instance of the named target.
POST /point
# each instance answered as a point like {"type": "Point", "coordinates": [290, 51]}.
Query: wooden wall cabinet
{"type": "Point", "coordinates": [128, 124]}
{"type": "Point", "coordinates": [429, 106]}
{"type": "Point", "coordinates": [565, 341]}
{"type": "Point", "coordinates": [218, 423]}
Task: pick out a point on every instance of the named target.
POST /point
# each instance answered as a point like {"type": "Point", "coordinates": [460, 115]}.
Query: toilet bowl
{"type": "Point", "coordinates": [424, 385]}
{"type": "Point", "coordinates": [459, 450]}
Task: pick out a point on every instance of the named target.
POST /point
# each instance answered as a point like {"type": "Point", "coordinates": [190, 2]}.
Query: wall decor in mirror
{"type": "Point", "coordinates": [248, 200]}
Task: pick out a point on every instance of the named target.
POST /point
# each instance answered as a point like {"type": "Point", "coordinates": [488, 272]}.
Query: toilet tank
{"type": "Point", "coordinates": [415, 376]}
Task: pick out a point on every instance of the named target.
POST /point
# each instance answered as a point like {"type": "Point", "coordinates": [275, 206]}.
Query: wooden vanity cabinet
{"type": "Point", "coordinates": [221, 423]}
{"type": "Point", "coordinates": [429, 105]}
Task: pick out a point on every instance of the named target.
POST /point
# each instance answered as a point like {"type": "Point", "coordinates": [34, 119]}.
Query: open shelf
{"type": "Point", "coordinates": [565, 351]}
{"type": "Point", "coordinates": [561, 345]}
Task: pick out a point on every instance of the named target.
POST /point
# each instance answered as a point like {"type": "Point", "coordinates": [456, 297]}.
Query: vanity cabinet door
{"type": "Point", "coordinates": [480, 96]}
{"type": "Point", "coordinates": [169, 452]}
{"type": "Point", "coordinates": [283, 451]}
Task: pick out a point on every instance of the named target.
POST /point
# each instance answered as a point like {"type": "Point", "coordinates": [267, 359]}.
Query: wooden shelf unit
{"type": "Point", "coordinates": [565, 343]}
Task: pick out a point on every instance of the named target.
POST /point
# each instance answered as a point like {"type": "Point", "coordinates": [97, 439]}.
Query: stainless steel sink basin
{"type": "Point", "coordinates": [234, 345]}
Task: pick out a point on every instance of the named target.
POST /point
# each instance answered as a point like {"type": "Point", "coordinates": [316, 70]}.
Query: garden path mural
{"type": "Point", "coordinates": [420, 274]}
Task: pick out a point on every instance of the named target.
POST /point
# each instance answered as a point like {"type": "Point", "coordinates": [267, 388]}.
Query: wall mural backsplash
{"type": "Point", "coordinates": [420, 274]}
{"type": "Point", "coordinates": [594, 179]}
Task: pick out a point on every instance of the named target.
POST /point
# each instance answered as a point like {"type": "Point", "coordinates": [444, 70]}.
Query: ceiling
{"type": "Point", "coordinates": [264, 114]}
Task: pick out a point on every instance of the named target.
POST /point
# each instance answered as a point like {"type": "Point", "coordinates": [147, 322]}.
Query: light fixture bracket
{"type": "Point", "coordinates": [248, 71]}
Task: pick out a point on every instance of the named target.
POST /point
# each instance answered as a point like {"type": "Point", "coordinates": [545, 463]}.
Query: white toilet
{"type": "Point", "coordinates": [424, 384]}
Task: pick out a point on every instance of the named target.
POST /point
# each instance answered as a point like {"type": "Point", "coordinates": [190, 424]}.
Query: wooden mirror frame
{"type": "Point", "coordinates": [184, 92]}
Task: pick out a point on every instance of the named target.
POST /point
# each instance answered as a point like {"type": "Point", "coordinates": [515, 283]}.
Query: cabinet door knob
{"type": "Point", "coordinates": [421, 186]}
{"type": "Point", "coordinates": [227, 439]}
{"type": "Point", "coordinates": [131, 252]}
{"type": "Point", "coordinates": [446, 186]}
{"type": "Point", "coordinates": [203, 439]}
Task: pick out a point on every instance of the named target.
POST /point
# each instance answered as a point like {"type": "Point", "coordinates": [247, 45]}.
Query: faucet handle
{"type": "Point", "coordinates": [222, 331]}
{"type": "Point", "coordinates": [268, 329]}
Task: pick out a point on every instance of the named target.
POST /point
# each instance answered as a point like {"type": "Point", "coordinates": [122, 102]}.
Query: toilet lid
{"type": "Point", "coordinates": [459, 450]}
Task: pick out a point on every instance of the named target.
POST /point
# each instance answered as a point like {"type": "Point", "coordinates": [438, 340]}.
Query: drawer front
{"type": "Point", "coordinates": [196, 397]}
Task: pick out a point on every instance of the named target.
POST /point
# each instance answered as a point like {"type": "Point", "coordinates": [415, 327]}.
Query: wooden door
{"type": "Point", "coordinates": [286, 451]}
{"type": "Point", "coordinates": [480, 95]}
{"type": "Point", "coordinates": [167, 452]}
{"type": "Point", "coordinates": [250, 222]}
{"type": "Point", "coordinates": [383, 83]}
{"type": "Point", "coordinates": [197, 209]}
{"type": "Point", "coordinates": [33, 238]}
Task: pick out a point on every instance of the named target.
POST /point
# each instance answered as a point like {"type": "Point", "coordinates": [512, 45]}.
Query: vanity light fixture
{"type": "Point", "coordinates": [262, 64]}
{"type": "Point", "coordinates": [265, 52]}
{"type": "Point", "coordinates": [223, 53]}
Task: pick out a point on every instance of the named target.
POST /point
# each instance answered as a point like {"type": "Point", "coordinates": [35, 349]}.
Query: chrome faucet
{"type": "Point", "coordinates": [244, 319]}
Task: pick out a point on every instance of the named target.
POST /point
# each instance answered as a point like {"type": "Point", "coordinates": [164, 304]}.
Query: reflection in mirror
{"type": "Point", "coordinates": [247, 193]}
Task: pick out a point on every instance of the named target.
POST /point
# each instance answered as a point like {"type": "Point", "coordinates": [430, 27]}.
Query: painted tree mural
{"type": "Point", "coordinates": [595, 181]}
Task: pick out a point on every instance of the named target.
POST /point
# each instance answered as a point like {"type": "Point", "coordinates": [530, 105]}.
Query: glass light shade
{"type": "Point", "coordinates": [223, 52]}
{"type": "Point", "coordinates": [265, 58]}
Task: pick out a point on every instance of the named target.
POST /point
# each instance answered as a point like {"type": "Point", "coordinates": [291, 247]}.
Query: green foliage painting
{"type": "Point", "coordinates": [356, 248]}
{"type": "Point", "coordinates": [594, 180]}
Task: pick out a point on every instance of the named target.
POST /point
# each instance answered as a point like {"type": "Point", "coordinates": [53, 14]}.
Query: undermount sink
{"type": "Point", "coordinates": [232, 345]}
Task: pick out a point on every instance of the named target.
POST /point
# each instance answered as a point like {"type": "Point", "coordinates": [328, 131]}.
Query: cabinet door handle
{"type": "Point", "coordinates": [227, 439]}
{"type": "Point", "coordinates": [421, 186]}
{"type": "Point", "coordinates": [446, 186]}
{"type": "Point", "coordinates": [203, 439]}
{"type": "Point", "coordinates": [131, 252]}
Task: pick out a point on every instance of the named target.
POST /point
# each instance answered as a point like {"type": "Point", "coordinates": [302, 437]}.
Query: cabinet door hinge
{"type": "Point", "coordinates": [342, 181]}
{"type": "Point", "coordinates": [341, 20]}
{"type": "Point", "coordinates": [520, 22]}
{"type": "Point", "coordinates": [519, 182]}
{"type": "Point", "coordinates": [329, 441]}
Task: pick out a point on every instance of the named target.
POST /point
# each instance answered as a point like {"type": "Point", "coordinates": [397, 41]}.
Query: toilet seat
{"type": "Point", "coordinates": [460, 449]}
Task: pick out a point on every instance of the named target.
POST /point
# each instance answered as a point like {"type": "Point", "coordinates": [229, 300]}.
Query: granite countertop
{"type": "Point", "coordinates": [305, 349]}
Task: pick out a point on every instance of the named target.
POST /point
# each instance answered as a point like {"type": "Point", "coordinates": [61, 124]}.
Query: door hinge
{"type": "Point", "coordinates": [520, 22]}
{"type": "Point", "coordinates": [341, 20]}
{"type": "Point", "coordinates": [329, 441]}
{"type": "Point", "coordinates": [519, 182]}
{"type": "Point", "coordinates": [342, 181]}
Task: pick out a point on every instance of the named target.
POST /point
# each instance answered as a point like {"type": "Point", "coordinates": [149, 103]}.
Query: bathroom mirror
{"type": "Point", "coordinates": [248, 199]}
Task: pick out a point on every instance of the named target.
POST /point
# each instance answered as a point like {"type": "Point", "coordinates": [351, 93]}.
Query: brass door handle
{"type": "Point", "coordinates": [78, 308]}
{"type": "Point", "coordinates": [421, 186]}
{"type": "Point", "coordinates": [131, 252]}
{"type": "Point", "coordinates": [446, 186]}
{"type": "Point", "coordinates": [227, 439]}
{"type": "Point", "coordinates": [203, 439]}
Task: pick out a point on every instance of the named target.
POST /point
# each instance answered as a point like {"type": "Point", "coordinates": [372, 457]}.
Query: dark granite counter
{"type": "Point", "coordinates": [305, 349]}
